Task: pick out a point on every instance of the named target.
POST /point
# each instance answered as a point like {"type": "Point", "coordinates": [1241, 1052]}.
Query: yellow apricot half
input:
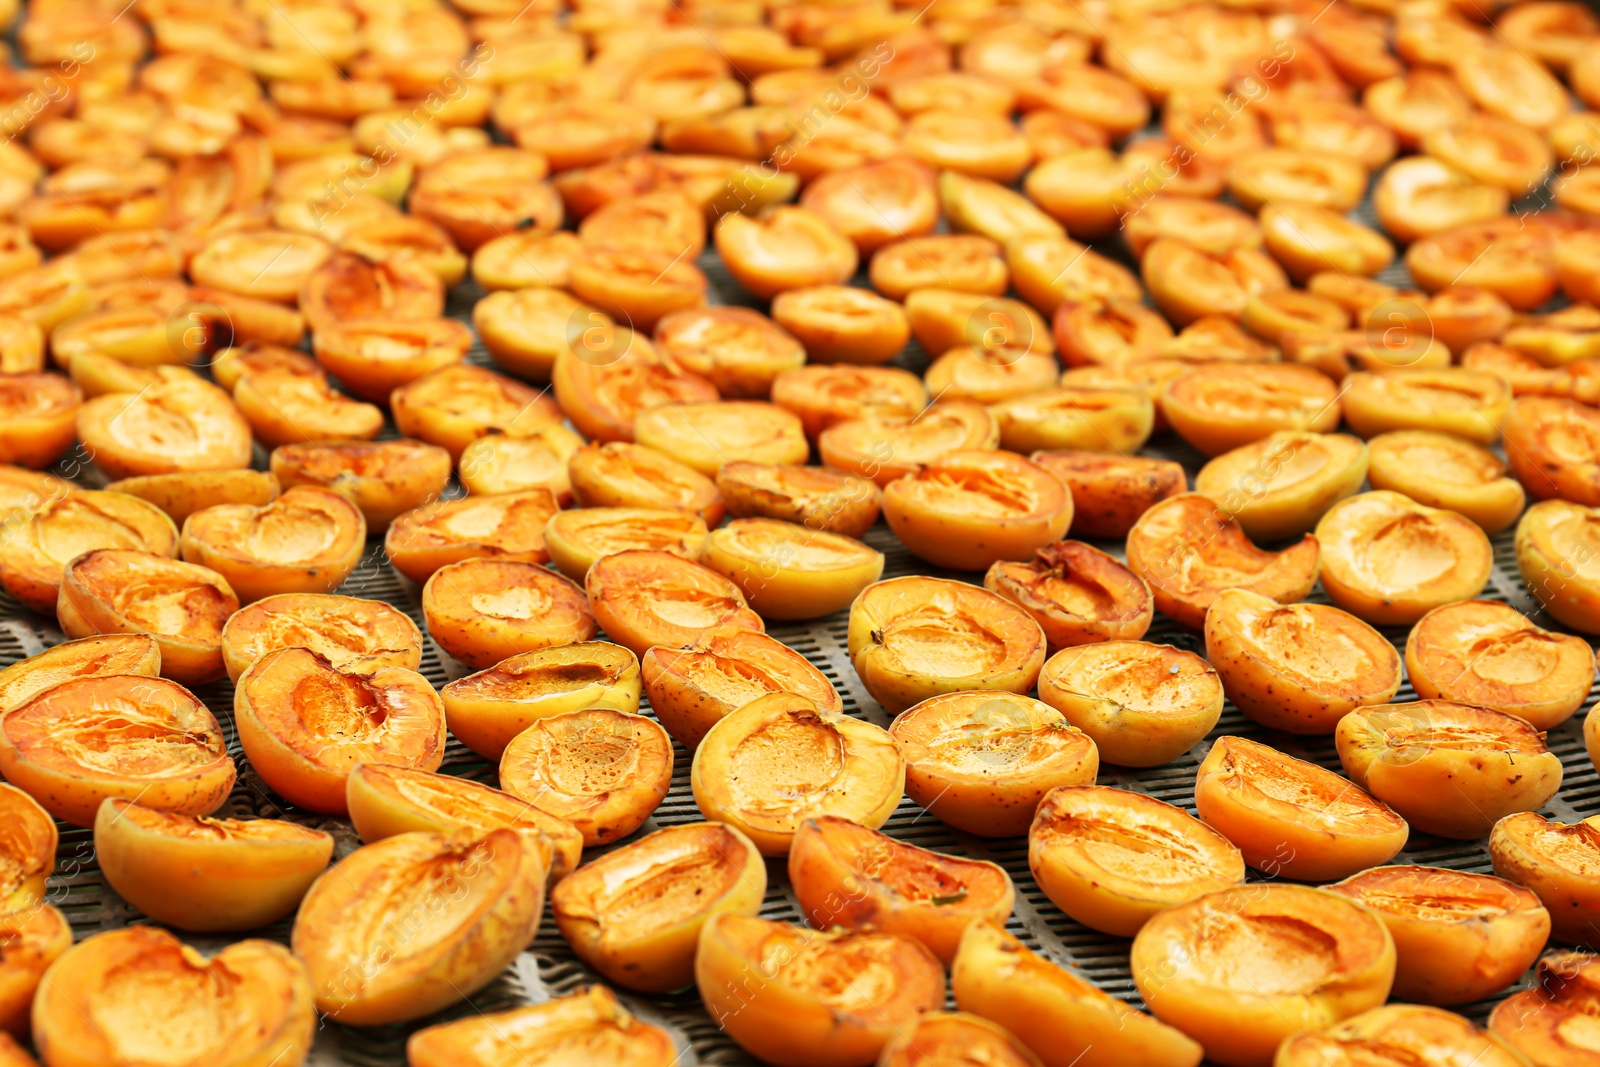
{"type": "Point", "coordinates": [249, 1004]}
{"type": "Point", "coordinates": [1390, 560]}
{"type": "Point", "coordinates": [207, 874]}
{"type": "Point", "coordinates": [577, 537]}
{"type": "Point", "coordinates": [982, 760]}
{"type": "Point", "coordinates": [346, 631]}
{"type": "Point", "coordinates": [484, 610]}
{"type": "Point", "coordinates": [1297, 667]}
{"type": "Point", "coordinates": [1143, 704]}
{"type": "Point", "coordinates": [794, 997]}
{"type": "Point", "coordinates": [1558, 556]}
{"type": "Point", "coordinates": [1446, 472]}
{"type": "Point", "coordinates": [411, 924]}
{"type": "Point", "coordinates": [1310, 958]}
{"type": "Point", "coordinates": [845, 875]}
{"type": "Point", "coordinates": [939, 1036]}
{"type": "Point", "coordinates": [1221, 406]}
{"type": "Point", "coordinates": [1278, 487]}
{"type": "Point", "coordinates": [1112, 858]}
{"type": "Point", "coordinates": [1061, 1017]}
{"type": "Point", "coordinates": [1553, 1024]}
{"type": "Point", "coordinates": [1076, 593]}
{"type": "Point", "coordinates": [1449, 769]}
{"type": "Point", "coordinates": [1559, 862]}
{"type": "Point", "coordinates": [487, 709]}
{"type": "Point", "coordinates": [1292, 818]}
{"type": "Point", "coordinates": [85, 657]}
{"type": "Point", "coordinates": [589, 1023]}
{"type": "Point", "coordinates": [635, 914]}
{"type": "Point", "coordinates": [1399, 1034]}
{"type": "Point", "coordinates": [1458, 936]}
{"type": "Point", "coordinates": [779, 760]}
{"type": "Point", "coordinates": [789, 572]}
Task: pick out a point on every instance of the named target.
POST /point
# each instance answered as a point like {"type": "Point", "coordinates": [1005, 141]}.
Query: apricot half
{"type": "Point", "coordinates": [1490, 654]}
{"type": "Point", "coordinates": [1449, 769]}
{"type": "Point", "coordinates": [938, 1036]}
{"type": "Point", "coordinates": [1558, 555]}
{"type": "Point", "coordinates": [590, 1023]}
{"type": "Point", "coordinates": [625, 475]}
{"type": "Point", "coordinates": [695, 687]}
{"type": "Point", "coordinates": [1297, 667]}
{"type": "Point", "coordinates": [912, 638]}
{"type": "Point", "coordinates": [1063, 1018]}
{"type": "Point", "coordinates": [1558, 862]}
{"type": "Point", "coordinates": [1390, 560]}
{"type": "Point", "coordinates": [788, 572]}
{"type": "Point", "coordinates": [176, 425]}
{"type": "Point", "coordinates": [1076, 593]}
{"type": "Point", "coordinates": [635, 914]}
{"type": "Point", "coordinates": [346, 631]}
{"type": "Point", "coordinates": [1143, 704]}
{"type": "Point", "coordinates": [249, 1003]}
{"type": "Point", "coordinates": [1188, 550]}
{"type": "Point", "coordinates": [1442, 471]}
{"type": "Point", "coordinates": [1111, 859]}
{"type": "Point", "coordinates": [768, 766]}
{"type": "Point", "coordinates": [469, 905]}
{"type": "Point", "coordinates": [382, 478]}
{"type": "Point", "coordinates": [43, 540]}
{"type": "Point", "coordinates": [969, 509]}
{"type": "Point", "coordinates": [487, 709]}
{"type": "Point", "coordinates": [483, 610]}
{"type": "Point", "coordinates": [508, 526]}
{"type": "Point", "coordinates": [1278, 487]}
{"type": "Point", "coordinates": [71, 746]}
{"type": "Point", "coordinates": [207, 874]}
{"type": "Point", "coordinates": [1399, 1034]}
{"type": "Point", "coordinates": [845, 875]}
{"type": "Point", "coordinates": [27, 852]}
{"type": "Point", "coordinates": [1553, 1023]}
{"type": "Point", "coordinates": [822, 394]}
{"type": "Point", "coordinates": [885, 447]}
{"type": "Point", "coordinates": [818, 498]}
{"type": "Point", "coordinates": [1222, 406]}
{"type": "Point", "coordinates": [109, 591]}
{"type": "Point", "coordinates": [577, 538]}
{"type": "Point", "coordinates": [1553, 448]}
{"type": "Point", "coordinates": [1109, 491]}
{"type": "Point", "coordinates": [386, 800]}
{"type": "Point", "coordinates": [85, 657]}
{"type": "Point", "coordinates": [1458, 936]}
{"type": "Point", "coordinates": [707, 435]}
{"type": "Point", "coordinates": [41, 412]}
{"type": "Point", "coordinates": [644, 598]}
{"type": "Point", "coordinates": [306, 541]}
{"type": "Point", "coordinates": [306, 724]}
{"type": "Point", "coordinates": [182, 494]}
{"type": "Point", "coordinates": [794, 997]}
{"type": "Point", "coordinates": [1310, 958]}
{"type": "Point", "coordinates": [1292, 818]}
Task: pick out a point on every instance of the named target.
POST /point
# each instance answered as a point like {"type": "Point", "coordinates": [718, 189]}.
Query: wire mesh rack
{"type": "Point", "coordinates": [549, 967]}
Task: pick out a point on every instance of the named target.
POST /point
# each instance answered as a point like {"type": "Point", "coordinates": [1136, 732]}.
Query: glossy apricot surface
{"type": "Point", "coordinates": [1143, 704]}
{"type": "Point", "coordinates": [483, 610]}
{"type": "Point", "coordinates": [1550, 1023]}
{"type": "Point", "coordinates": [1279, 486]}
{"type": "Point", "coordinates": [645, 597]}
{"type": "Point", "coordinates": [1220, 407]}
{"type": "Point", "coordinates": [590, 1019]}
{"type": "Point", "coordinates": [1076, 593]}
{"type": "Point", "coordinates": [346, 631]}
{"type": "Point", "coordinates": [507, 526]}
{"type": "Point", "coordinates": [306, 541]}
{"type": "Point", "coordinates": [1110, 491]}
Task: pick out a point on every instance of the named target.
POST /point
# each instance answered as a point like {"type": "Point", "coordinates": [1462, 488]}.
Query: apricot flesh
{"type": "Point", "coordinates": [590, 1021]}
{"type": "Point", "coordinates": [346, 631]}
{"type": "Point", "coordinates": [1076, 593]}
{"type": "Point", "coordinates": [1400, 1033]}
{"type": "Point", "coordinates": [968, 510]}
{"type": "Point", "coordinates": [1143, 704]}
{"type": "Point", "coordinates": [87, 656]}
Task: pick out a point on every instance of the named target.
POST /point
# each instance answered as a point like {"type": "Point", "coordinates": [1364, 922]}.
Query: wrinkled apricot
{"type": "Point", "coordinates": [535, 458]}
{"type": "Point", "coordinates": [306, 541]}
{"type": "Point", "coordinates": [1291, 818]}
{"type": "Point", "coordinates": [509, 527]}
{"type": "Point", "coordinates": [71, 746]}
{"type": "Point", "coordinates": [1064, 418]}
{"type": "Point", "coordinates": [482, 610]}
{"type": "Point", "coordinates": [818, 498]}
{"type": "Point", "coordinates": [1111, 859]}
{"type": "Point", "coordinates": [1458, 936]}
{"type": "Point", "coordinates": [1110, 491]}
{"type": "Point", "coordinates": [1076, 593]}
{"type": "Point", "coordinates": [1389, 560]}
{"type": "Point", "coordinates": [176, 425]}
{"type": "Point", "coordinates": [382, 478]}
{"type": "Point", "coordinates": [1442, 471]}
{"type": "Point", "coordinates": [619, 474]}
{"type": "Point", "coordinates": [345, 631]}
{"type": "Point", "coordinates": [285, 407]}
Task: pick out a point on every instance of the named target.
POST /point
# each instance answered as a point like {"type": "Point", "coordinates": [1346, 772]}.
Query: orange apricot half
{"type": "Point", "coordinates": [644, 598]}
{"type": "Point", "coordinates": [1112, 859]}
{"type": "Point", "coordinates": [845, 875]}
{"type": "Point", "coordinates": [818, 498]}
{"type": "Point", "coordinates": [590, 1019]}
{"type": "Point", "coordinates": [306, 541]}
{"type": "Point", "coordinates": [1446, 472]}
{"type": "Point", "coordinates": [27, 850]}
{"type": "Point", "coordinates": [693, 688]}
{"type": "Point", "coordinates": [484, 610]}
{"type": "Point", "coordinates": [85, 657]}
{"type": "Point", "coordinates": [1490, 654]}
{"type": "Point", "coordinates": [1553, 1023]}
{"type": "Point", "coordinates": [365, 972]}
{"type": "Point", "coordinates": [1278, 487]}
{"type": "Point", "coordinates": [1292, 818]}
{"type": "Point", "coordinates": [704, 436]}
{"type": "Point", "coordinates": [885, 447]}
{"type": "Point", "coordinates": [982, 760]}
{"type": "Point", "coordinates": [110, 591]}
{"type": "Point", "coordinates": [383, 478]}
{"type": "Point", "coordinates": [1558, 556]}
{"type": "Point", "coordinates": [794, 997]}
{"type": "Point", "coordinates": [578, 537]}
{"type": "Point", "coordinates": [1222, 406]}
{"type": "Point", "coordinates": [822, 394]}
{"type": "Point", "coordinates": [969, 509]}
{"type": "Point", "coordinates": [1397, 1034]}
{"type": "Point", "coordinates": [176, 425]}
{"type": "Point", "coordinates": [1063, 1018]}
{"type": "Point", "coordinates": [248, 1003]}
{"type": "Point", "coordinates": [207, 874]}
{"type": "Point", "coordinates": [913, 638]}
{"type": "Point", "coordinates": [41, 412]}
{"type": "Point", "coordinates": [35, 937]}
{"type": "Point", "coordinates": [779, 760]}
{"type": "Point", "coordinates": [1315, 958]}
{"type": "Point", "coordinates": [508, 526]}
{"type": "Point", "coordinates": [1297, 667]}
{"type": "Point", "coordinates": [1143, 704]}
{"type": "Point", "coordinates": [43, 540]}
{"type": "Point", "coordinates": [1110, 491]}
{"type": "Point", "coordinates": [602, 770]}
{"type": "Point", "coordinates": [1551, 446]}
{"type": "Point", "coordinates": [386, 800]}
{"type": "Point", "coordinates": [624, 475]}
{"type": "Point", "coordinates": [182, 494]}
{"type": "Point", "coordinates": [1189, 550]}
{"type": "Point", "coordinates": [788, 572]}
{"type": "Point", "coordinates": [454, 406]}
{"type": "Point", "coordinates": [1458, 936]}
{"type": "Point", "coordinates": [71, 746]}
{"type": "Point", "coordinates": [1449, 769]}
{"type": "Point", "coordinates": [346, 631]}
{"type": "Point", "coordinates": [635, 914]}
{"type": "Point", "coordinates": [1390, 560]}
{"type": "Point", "coordinates": [937, 1036]}
{"type": "Point", "coordinates": [1076, 593]}
{"type": "Point", "coordinates": [306, 724]}
{"type": "Point", "coordinates": [1559, 862]}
